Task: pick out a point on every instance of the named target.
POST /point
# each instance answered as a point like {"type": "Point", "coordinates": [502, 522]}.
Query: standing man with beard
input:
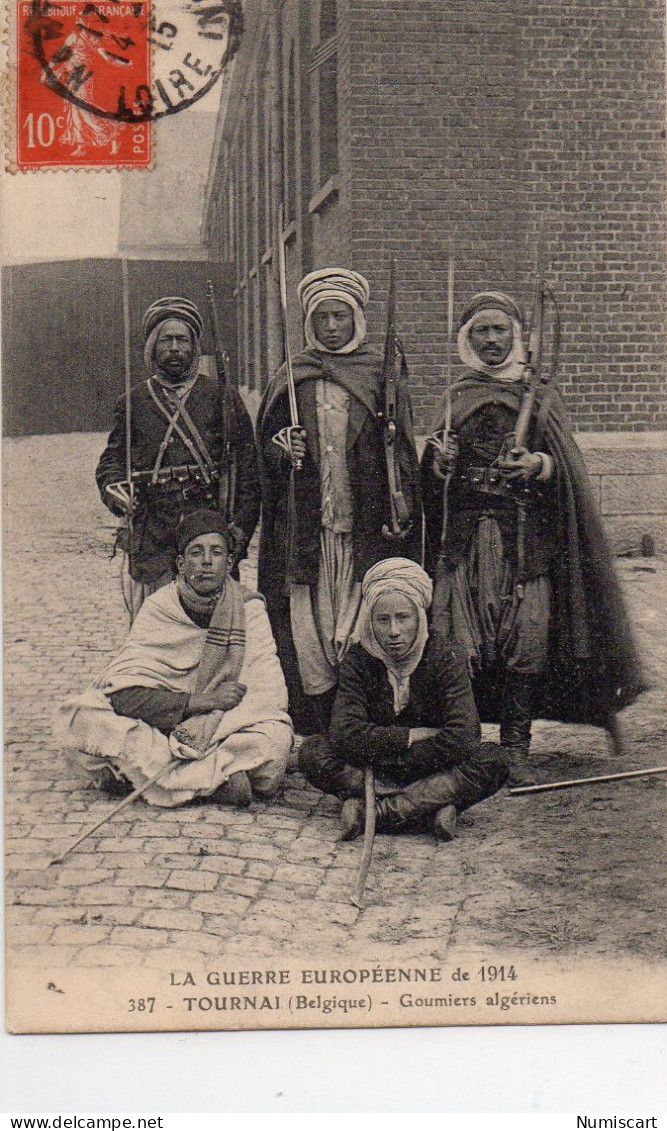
{"type": "Point", "coordinates": [524, 579]}
{"type": "Point", "coordinates": [322, 525]}
{"type": "Point", "coordinates": [177, 448]}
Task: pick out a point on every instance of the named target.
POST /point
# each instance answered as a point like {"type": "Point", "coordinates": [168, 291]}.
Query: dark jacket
{"type": "Point", "coordinates": [290, 537]}
{"type": "Point", "coordinates": [593, 663]}
{"type": "Point", "coordinates": [365, 730]}
{"type": "Point", "coordinates": [160, 509]}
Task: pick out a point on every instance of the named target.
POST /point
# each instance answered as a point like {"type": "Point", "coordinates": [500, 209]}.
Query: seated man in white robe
{"type": "Point", "coordinates": [197, 682]}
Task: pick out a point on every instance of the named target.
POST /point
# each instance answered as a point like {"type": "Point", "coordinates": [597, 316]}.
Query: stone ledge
{"type": "Point", "coordinates": [633, 494]}
{"type": "Point", "coordinates": [624, 453]}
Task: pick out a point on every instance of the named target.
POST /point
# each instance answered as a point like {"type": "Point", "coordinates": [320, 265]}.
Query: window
{"type": "Point", "coordinates": [324, 89]}
{"type": "Point", "coordinates": [327, 19]}
{"type": "Point", "coordinates": [328, 119]}
{"type": "Point", "coordinates": [290, 172]}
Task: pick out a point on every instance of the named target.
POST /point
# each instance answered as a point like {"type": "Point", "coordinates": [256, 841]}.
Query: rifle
{"type": "Point", "coordinates": [399, 525]}
{"type": "Point", "coordinates": [532, 380]}
{"type": "Point", "coordinates": [439, 439]}
{"type": "Point", "coordinates": [283, 439]}
{"type": "Point", "coordinates": [533, 370]}
{"type": "Point", "coordinates": [227, 489]}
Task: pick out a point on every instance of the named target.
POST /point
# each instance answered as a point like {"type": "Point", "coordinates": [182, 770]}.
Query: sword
{"type": "Point", "coordinates": [128, 433]}
{"type": "Point", "coordinates": [283, 439]}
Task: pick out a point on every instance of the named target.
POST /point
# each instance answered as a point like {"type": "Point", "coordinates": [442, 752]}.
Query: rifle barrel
{"type": "Point", "coordinates": [450, 334]}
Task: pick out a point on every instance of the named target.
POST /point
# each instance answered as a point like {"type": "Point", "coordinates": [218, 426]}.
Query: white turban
{"type": "Point", "coordinates": [343, 286]}
{"type": "Point", "coordinates": [513, 367]}
{"type": "Point", "coordinates": [396, 575]}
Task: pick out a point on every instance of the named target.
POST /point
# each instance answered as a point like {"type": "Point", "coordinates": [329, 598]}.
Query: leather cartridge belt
{"type": "Point", "coordinates": [183, 478]}
{"type": "Point", "coordinates": [490, 481]}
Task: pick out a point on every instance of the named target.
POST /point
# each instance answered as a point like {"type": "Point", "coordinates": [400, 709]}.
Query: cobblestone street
{"type": "Point", "coordinates": [573, 874]}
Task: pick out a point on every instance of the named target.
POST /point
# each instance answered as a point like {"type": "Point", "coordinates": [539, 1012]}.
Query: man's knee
{"type": "Point", "coordinates": [489, 769]}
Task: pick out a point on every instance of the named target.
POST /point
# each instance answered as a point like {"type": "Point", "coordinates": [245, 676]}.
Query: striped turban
{"type": "Point", "coordinates": [164, 310]}
{"type": "Point", "coordinates": [512, 368]}
{"type": "Point", "coordinates": [405, 577]}
{"type": "Point", "coordinates": [343, 286]}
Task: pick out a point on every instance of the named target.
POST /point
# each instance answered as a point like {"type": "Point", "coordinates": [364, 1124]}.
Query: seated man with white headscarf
{"type": "Point", "coordinates": [197, 683]}
{"type": "Point", "coordinates": [404, 706]}
{"type": "Point", "coordinates": [322, 527]}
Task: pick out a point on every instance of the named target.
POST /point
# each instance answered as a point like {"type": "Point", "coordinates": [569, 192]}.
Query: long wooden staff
{"type": "Point", "coordinates": [439, 441]}
{"type": "Point", "coordinates": [523, 789]}
{"type": "Point", "coordinates": [283, 439]}
{"type": "Point", "coordinates": [228, 469]}
{"type": "Point", "coordinates": [448, 402]}
{"type": "Point", "coordinates": [369, 837]}
{"type": "Point", "coordinates": [122, 805]}
{"type": "Point", "coordinates": [128, 434]}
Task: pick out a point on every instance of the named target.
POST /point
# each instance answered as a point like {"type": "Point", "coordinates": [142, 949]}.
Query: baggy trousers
{"type": "Point", "coordinates": [462, 786]}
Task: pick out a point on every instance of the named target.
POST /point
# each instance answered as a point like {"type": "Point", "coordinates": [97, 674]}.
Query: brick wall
{"type": "Point", "coordinates": [592, 157]}
{"type": "Point", "coordinates": [468, 123]}
{"type": "Point", "coordinates": [460, 124]}
{"type": "Point", "coordinates": [433, 160]}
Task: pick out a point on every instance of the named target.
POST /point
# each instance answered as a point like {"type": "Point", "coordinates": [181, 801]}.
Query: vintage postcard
{"type": "Point", "coordinates": [333, 351]}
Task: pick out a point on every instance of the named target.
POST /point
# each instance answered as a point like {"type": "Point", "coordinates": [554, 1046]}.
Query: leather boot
{"type": "Point", "coordinates": [515, 724]}
{"type": "Point", "coordinates": [444, 825]}
{"type": "Point", "coordinates": [111, 782]}
{"type": "Point", "coordinates": [460, 787]}
{"type": "Point", "coordinates": [237, 791]}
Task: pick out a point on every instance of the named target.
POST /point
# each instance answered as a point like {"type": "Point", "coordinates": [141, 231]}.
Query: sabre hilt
{"type": "Point", "coordinates": [396, 535]}
{"type": "Point", "coordinates": [283, 440]}
{"type": "Point", "coordinates": [439, 440]}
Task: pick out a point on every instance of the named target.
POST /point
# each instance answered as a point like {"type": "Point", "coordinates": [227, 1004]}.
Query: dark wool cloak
{"type": "Point", "coordinates": [289, 549]}
{"type": "Point", "coordinates": [159, 512]}
{"type": "Point", "coordinates": [593, 664]}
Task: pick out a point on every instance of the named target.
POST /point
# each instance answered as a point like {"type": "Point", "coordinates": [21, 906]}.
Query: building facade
{"type": "Point", "coordinates": [445, 126]}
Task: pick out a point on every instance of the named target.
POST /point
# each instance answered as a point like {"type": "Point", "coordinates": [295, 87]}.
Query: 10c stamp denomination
{"type": "Point", "coordinates": [92, 77]}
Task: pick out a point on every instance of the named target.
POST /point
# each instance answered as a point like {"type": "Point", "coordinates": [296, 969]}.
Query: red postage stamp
{"type": "Point", "coordinates": [83, 84]}
{"type": "Point", "coordinates": [91, 77]}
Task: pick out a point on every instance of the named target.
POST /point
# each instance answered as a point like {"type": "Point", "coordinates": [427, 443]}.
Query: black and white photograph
{"type": "Point", "coordinates": [335, 495]}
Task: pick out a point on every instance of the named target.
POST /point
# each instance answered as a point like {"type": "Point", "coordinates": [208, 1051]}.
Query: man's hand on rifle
{"type": "Point", "coordinates": [444, 459]}
{"type": "Point", "coordinates": [519, 463]}
{"type": "Point", "coordinates": [119, 497]}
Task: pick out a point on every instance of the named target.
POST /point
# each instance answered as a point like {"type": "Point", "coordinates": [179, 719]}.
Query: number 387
{"type": "Point", "coordinates": [141, 1005]}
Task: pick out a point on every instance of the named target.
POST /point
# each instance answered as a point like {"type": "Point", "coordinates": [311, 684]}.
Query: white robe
{"type": "Point", "coordinates": [163, 650]}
